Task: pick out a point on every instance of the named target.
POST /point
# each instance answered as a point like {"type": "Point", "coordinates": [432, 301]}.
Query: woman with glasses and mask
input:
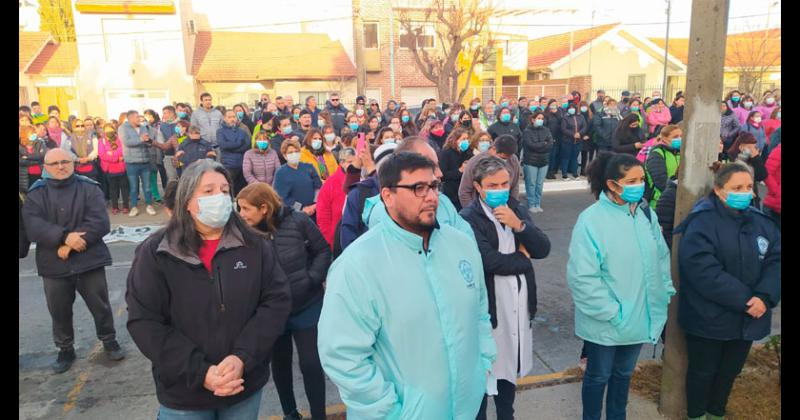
{"type": "Point", "coordinates": [730, 267]}
{"type": "Point", "coordinates": [620, 298]}
{"type": "Point", "coordinates": [207, 300]}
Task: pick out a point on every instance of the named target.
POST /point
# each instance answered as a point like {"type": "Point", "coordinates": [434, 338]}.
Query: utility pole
{"type": "Point", "coordinates": [666, 53]}
{"type": "Point", "coordinates": [707, 37]}
{"type": "Point", "coordinates": [358, 40]}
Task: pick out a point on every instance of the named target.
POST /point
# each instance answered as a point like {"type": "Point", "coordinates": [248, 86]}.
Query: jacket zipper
{"type": "Point", "coordinates": [221, 296]}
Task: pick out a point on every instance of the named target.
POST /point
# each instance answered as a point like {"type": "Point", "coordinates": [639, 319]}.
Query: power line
{"type": "Point", "coordinates": [528, 25]}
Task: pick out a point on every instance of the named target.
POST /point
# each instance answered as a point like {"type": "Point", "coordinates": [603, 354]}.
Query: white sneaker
{"type": "Point", "coordinates": [150, 210]}
{"type": "Point", "coordinates": [134, 212]}
{"type": "Point", "coordinates": [539, 210]}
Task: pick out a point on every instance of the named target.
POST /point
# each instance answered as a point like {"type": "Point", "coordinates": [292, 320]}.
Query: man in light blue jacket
{"type": "Point", "coordinates": [405, 330]}
{"type": "Point", "coordinates": [619, 275]}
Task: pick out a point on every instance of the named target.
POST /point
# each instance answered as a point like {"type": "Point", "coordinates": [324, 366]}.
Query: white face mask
{"type": "Point", "coordinates": [770, 101]}
{"type": "Point", "coordinates": [359, 112]}
{"type": "Point", "coordinates": [215, 210]}
{"type": "Point", "coordinates": [756, 120]}
{"type": "Point", "coordinates": [293, 158]}
{"type": "Point", "coordinates": [330, 137]}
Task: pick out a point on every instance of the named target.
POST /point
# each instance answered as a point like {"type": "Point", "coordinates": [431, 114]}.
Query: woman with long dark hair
{"type": "Point", "coordinates": [629, 136]}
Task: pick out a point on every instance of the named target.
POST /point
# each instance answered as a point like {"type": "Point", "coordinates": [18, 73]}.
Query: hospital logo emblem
{"type": "Point", "coordinates": [466, 272]}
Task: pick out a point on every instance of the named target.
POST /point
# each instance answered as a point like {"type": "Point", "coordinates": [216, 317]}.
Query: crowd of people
{"type": "Point", "coordinates": [393, 250]}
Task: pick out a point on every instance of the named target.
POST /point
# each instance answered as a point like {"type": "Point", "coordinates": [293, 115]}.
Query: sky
{"type": "Point", "coordinates": [644, 17]}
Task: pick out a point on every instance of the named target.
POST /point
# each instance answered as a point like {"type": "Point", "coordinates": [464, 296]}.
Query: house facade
{"type": "Point", "coordinates": [47, 71]}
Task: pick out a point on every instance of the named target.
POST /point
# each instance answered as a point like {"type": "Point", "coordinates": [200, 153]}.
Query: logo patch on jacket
{"type": "Point", "coordinates": [763, 245]}
{"type": "Point", "coordinates": [239, 265]}
{"type": "Point", "coordinates": [466, 272]}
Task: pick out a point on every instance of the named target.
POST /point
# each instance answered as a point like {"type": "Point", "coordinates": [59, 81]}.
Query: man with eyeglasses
{"type": "Point", "coordinates": [405, 330]}
{"type": "Point", "coordinates": [65, 215]}
{"type": "Point", "coordinates": [338, 112]}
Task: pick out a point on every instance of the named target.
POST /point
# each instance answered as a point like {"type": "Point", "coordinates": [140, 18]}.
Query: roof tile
{"type": "Point", "coordinates": [545, 51]}
{"type": "Point", "coordinates": [740, 49]}
{"type": "Point", "coordinates": [30, 44]}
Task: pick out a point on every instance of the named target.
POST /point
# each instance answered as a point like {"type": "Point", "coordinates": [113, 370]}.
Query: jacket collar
{"type": "Point", "coordinates": [231, 238]}
{"type": "Point", "coordinates": [607, 202]}
{"type": "Point", "coordinates": [406, 238]}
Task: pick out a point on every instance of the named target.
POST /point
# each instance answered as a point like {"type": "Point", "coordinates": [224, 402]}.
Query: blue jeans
{"type": "Point", "coordinates": [569, 157]}
{"type": "Point", "coordinates": [244, 410]}
{"type": "Point", "coordinates": [554, 154]}
{"type": "Point", "coordinates": [612, 366]}
{"type": "Point", "coordinates": [534, 184]}
{"type": "Point", "coordinates": [135, 172]}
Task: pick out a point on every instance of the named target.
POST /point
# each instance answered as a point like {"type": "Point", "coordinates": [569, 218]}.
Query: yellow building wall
{"type": "Point", "coordinates": [229, 94]}
{"type": "Point", "coordinates": [476, 81]}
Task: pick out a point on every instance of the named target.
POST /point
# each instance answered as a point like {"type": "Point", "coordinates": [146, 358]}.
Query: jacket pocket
{"type": "Point", "coordinates": [412, 404]}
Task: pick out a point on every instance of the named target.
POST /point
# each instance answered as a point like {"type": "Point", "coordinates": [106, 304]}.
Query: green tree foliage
{"type": "Point", "coordinates": [56, 18]}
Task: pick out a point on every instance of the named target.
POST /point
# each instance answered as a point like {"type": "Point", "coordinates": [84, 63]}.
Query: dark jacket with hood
{"type": "Point", "coordinates": [552, 120]}
{"type": "Point", "coordinates": [337, 113]}
{"type": "Point", "coordinates": [537, 142]}
{"type": "Point", "coordinates": [449, 162]}
{"type": "Point", "coordinates": [353, 225]}
{"type": "Point", "coordinates": [194, 150]}
{"type": "Point", "coordinates": [665, 210]}
{"type": "Point", "coordinates": [233, 143]}
{"type": "Point", "coordinates": [303, 254]}
{"type": "Point", "coordinates": [184, 319]}
{"type": "Point", "coordinates": [497, 263]}
{"type": "Point", "coordinates": [500, 128]}
{"type": "Point", "coordinates": [625, 138]}
{"type": "Point", "coordinates": [726, 257]}
{"type": "Point", "coordinates": [604, 126]}
{"type": "Point", "coordinates": [52, 209]}
{"type": "Point", "coordinates": [572, 124]}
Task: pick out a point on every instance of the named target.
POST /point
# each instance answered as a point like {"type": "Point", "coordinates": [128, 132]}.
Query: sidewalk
{"type": "Point", "coordinates": [142, 219]}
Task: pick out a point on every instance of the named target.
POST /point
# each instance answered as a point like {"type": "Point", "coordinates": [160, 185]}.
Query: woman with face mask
{"type": "Point", "coordinates": [304, 256]}
{"type": "Point", "coordinates": [620, 298]}
{"type": "Point", "coordinates": [767, 105]}
{"type": "Point", "coordinates": [745, 149]}
{"type": "Point", "coordinates": [297, 182]}
{"type": "Point", "coordinates": [754, 125]}
{"type": "Point", "coordinates": [406, 124]}
{"type": "Point", "coordinates": [244, 117]}
{"type": "Point", "coordinates": [729, 124]}
{"type": "Point", "coordinates": [315, 154]}
{"type": "Point", "coordinates": [207, 300]}
{"type": "Point", "coordinates": [552, 120]}
{"type": "Point", "coordinates": [385, 135]}
{"type": "Point", "coordinates": [537, 141]}
{"type": "Point", "coordinates": [433, 130]}
{"type": "Point", "coordinates": [604, 123]}
{"type": "Point", "coordinates": [31, 157]}
{"type": "Point", "coordinates": [505, 125]}
{"type": "Point", "coordinates": [730, 267]}
{"type": "Point", "coordinates": [658, 114]}
{"type": "Point", "coordinates": [662, 162]}
{"type": "Point", "coordinates": [261, 162]}
{"type": "Point", "coordinates": [635, 107]}
{"type": "Point", "coordinates": [773, 123]}
{"type": "Point", "coordinates": [455, 154]}
{"type": "Point", "coordinates": [748, 106]}
{"type": "Point", "coordinates": [573, 130]}
{"type": "Point", "coordinates": [112, 161]}
{"type": "Point", "coordinates": [628, 137]}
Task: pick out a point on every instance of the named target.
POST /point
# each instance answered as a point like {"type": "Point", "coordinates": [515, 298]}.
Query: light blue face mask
{"type": "Point", "coordinates": [353, 126]}
{"type": "Point", "coordinates": [240, 115]}
{"type": "Point", "coordinates": [496, 198]}
{"type": "Point", "coordinates": [739, 201]}
{"type": "Point", "coordinates": [505, 117]}
{"type": "Point", "coordinates": [321, 123]}
{"type": "Point", "coordinates": [504, 104]}
{"type": "Point", "coordinates": [475, 107]}
{"type": "Point", "coordinates": [538, 123]}
{"type": "Point", "coordinates": [181, 115]}
{"type": "Point", "coordinates": [571, 111]}
{"type": "Point", "coordinates": [676, 143]}
{"type": "Point", "coordinates": [533, 108]}
{"type": "Point", "coordinates": [316, 144]}
{"type": "Point", "coordinates": [405, 118]}
{"type": "Point", "coordinates": [632, 193]}
{"type": "Point", "coordinates": [215, 210]}
{"type": "Point", "coordinates": [483, 146]}
{"type": "Point", "coordinates": [178, 130]}
{"type": "Point", "coordinates": [463, 145]}
{"type": "Point", "coordinates": [262, 144]}
{"type": "Point", "coordinates": [287, 130]}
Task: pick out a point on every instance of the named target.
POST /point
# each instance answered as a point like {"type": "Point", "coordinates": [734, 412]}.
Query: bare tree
{"type": "Point", "coordinates": [461, 27]}
{"type": "Point", "coordinates": [753, 55]}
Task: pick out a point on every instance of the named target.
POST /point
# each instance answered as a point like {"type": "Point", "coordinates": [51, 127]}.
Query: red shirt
{"type": "Point", "coordinates": [206, 252]}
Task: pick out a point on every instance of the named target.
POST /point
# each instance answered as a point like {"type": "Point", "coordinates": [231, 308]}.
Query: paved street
{"type": "Point", "coordinates": [98, 389]}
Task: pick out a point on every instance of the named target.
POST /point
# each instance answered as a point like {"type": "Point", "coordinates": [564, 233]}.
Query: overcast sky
{"type": "Point", "coordinates": [644, 17]}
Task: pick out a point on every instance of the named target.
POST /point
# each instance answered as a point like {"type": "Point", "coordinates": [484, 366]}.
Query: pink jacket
{"type": "Point", "coordinates": [330, 204]}
{"type": "Point", "coordinates": [773, 181]}
{"type": "Point", "coordinates": [111, 161]}
{"type": "Point", "coordinates": [655, 118]}
{"type": "Point", "coordinates": [766, 111]}
{"type": "Point", "coordinates": [645, 150]}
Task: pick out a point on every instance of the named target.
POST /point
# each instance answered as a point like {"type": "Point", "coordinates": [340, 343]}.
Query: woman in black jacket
{"type": "Point", "coordinates": [304, 256]}
{"type": "Point", "coordinates": [628, 136]}
{"type": "Point", "coordinates": [206, 302]}
{"type": "Point", "coordinates": [457, 151]}
{"type": "Point", "coordinates": [552, 120]}
{"type": "Point", "coordinates": [730, 267]}
{"type": "Point", "coordinates": [537, 142]}
{"type": "Point", "coordinates": [574, 132]}
{"type": "Point", "coordinates": [745, 149]}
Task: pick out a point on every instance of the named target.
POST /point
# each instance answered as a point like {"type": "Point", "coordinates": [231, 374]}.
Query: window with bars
{"type": "Point", "coordinates": [636, 82]}
{"type": "Point", "coordinates": [426, 38]}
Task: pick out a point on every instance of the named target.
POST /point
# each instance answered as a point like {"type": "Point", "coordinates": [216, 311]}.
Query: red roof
{"type": "Point", "coordinates": [256, 56]}
{"type": "Point", "coordinates": [56, 59]}
{"type": "Point", "coordinates": [543, 52]}
{"type": "Point", "coordinates": [30, 45]}
{"type": "Point", "coordinates": [741, 50]}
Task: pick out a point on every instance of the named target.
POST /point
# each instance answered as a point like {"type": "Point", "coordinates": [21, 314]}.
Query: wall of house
{"type": "Point", "coordinates": [611, 62]}
{"type": "Point", "coordinates": [229, 94]}
{"type": "Point", "coordinates": [131, 56]}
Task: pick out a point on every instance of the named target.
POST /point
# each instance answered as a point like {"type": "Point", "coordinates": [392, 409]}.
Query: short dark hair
{"type": "Point", "coordinates": [52, 108]}
{"type": "Point", "coordinates": [505, 144]}
{"type": "Point", "coordinates": [169, 108]}
{"type": "Point", "coordinates": [305, 112]}
{"type": "Point", "coordinates": [488, 166]}
{"type": "Point", "coordinates": [131, 112]}
{"type": "Point", "coordinates": [25, 108]}
{"type": "Point", "coordinates": [204, 94]}
{"type": "Point", "coordinates": [278, 98]}
{"type": "Point", "coordinates": [35, 103]}
{"type": "Point", "coordinates": [393, 166]}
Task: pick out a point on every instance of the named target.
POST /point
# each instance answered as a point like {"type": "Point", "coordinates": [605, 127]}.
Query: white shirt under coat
{"type": "Point", "coordinates": [514, 332]}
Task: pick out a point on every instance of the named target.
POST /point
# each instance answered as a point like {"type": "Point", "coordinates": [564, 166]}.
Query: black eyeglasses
{"type": "Point", "coordinates": [58, 163]}
{"type": "Point", "coordinates": [421, 189]}
{"type": "Point", "coordinates": [334, 100]}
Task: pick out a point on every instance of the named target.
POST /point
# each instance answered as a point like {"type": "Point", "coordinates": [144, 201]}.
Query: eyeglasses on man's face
{"type": "Point", "coordinates": [421, 189]}
{"type": "Point", "coordinates": [58, 163]}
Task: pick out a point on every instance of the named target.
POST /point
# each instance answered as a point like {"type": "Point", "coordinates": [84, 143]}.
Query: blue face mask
{"type": "Point", "coordinates": [635, 108]}
{"type": "Point", "coordinates": [533, 108]}
{"type": "Point", "coordinates": [287, 130]}
{"type": "Point", "coordinates": [177, 130]}
{"type": "Point", "coordinates": [504, 103]}
{"type": "Point", "coordinates": [405, 118]}
{"type": "Point", "coordinates": [538, 123]}
{"type": "Point", "coordinates": [240, 115]}
{"type": "Point", "coordinates": [739, 201]}
{"type": "Point", "coordinates": [463, 145]}
{"type": "Point", "coordinates": [316, 144]}
{"type": "Point", "coordinates": [181, 115]}
{"type": "Point", "coordinates": [321, 123]}
{"type": "Point", "coordinates": [296, 117]}
{"type": "Point", "coordinates": [565, 105]}
{"type": "Point", "coordinates": [505, 118]}
{"type": "Point", "coordinates": [475, 107]}
{"type": "Point", "coordinates": [262, 144]}
{"type": "Point", "coordinates": [676, 143]}
{"type": "Point", "coordinates": [483, 146]}
{"type": "Point", "coordinates": [571, 111]}
{"type": "Point", "coordinates": [632, 193]}
{"type": "Point", "coordinates": [33, 137]}
{"type": "Point", "coordinates": [353, 126]}
{"type": "Point", "coordinates": [735, 99]}
{"type": "Point", "coordinates": [496, 198]}
{"type": "Point", "coordinates": [215, 210]}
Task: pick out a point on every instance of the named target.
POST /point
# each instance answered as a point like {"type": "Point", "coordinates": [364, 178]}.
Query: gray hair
{"type": "Point", "coordinates": [181, 231]}
{"type": "Point", "coordinates": [488, 166]}
{"type": "Point", "coordinates": [345, 153]}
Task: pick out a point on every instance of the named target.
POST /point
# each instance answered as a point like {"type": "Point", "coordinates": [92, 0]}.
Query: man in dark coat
{"type": "Point", "coordinates": [65, 216]}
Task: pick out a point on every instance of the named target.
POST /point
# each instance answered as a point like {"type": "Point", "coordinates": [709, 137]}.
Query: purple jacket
{"type": "Point", "coordinates": [766, 111]}
{"type": "Point", "coordinates": [741, 112]}
{"type": "Point", "coordinates": [258, 167]}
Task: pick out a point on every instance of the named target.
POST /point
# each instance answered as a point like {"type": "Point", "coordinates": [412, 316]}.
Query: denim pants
{"type": "Point", "coordinates": [554, 156]}
{"type": "Point", "coordinates": [138, 171]}
{"type": "Point", "coordinates": [569, 157]}
{"type": "Point", "coordinates": [244, 410]}
{"type": "Point", "coordinates": [534, 184]}
{"type": "Point", "coordinates": [612, 366]}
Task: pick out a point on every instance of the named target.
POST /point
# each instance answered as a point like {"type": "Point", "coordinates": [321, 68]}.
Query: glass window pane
{"type": "Point", "coordinates": [370, 35]}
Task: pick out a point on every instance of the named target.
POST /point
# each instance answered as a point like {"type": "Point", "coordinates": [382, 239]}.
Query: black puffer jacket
{"type": "Point", "coordinates": [54, 208]}
{"type": "Point", "coordinates": [537, 143]}
{"type": "Point", "coordinates": [303, 253]}
{"type": "Point", "coordinates": [552, 120]}
{"type": "Point", "coordinates": [604, 126]}
{"type": "Point", "coordinates": [500, 128]}
{"type": "Point", "coordinates": [449, 162]}
{"type": "Point", "coordinates": [497, 263]}
{"type": "Point", "coordinates": [572, 124]}
{"type": "Point", "coordinates": [665, 209]}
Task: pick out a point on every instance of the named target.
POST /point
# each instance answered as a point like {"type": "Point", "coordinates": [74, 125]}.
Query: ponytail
{"type": "Point", "coordinates": [608, 166]}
